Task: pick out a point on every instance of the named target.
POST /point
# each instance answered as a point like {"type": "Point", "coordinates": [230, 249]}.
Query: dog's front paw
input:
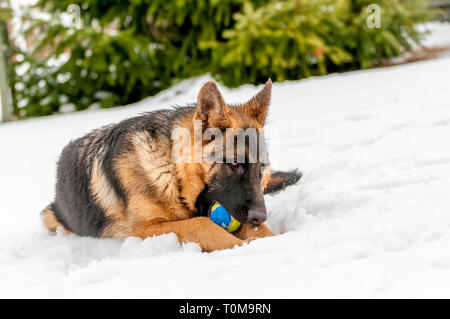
{"type": "Point", "coordinates": [249, 232]}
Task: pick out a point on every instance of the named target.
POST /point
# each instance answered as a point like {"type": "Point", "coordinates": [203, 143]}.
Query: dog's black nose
{"type": "Point", "coordinates": [257, 216]}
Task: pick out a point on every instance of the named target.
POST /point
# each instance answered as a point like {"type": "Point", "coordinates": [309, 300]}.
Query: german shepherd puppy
{"type": "Point", "coordinates": [120, 180]}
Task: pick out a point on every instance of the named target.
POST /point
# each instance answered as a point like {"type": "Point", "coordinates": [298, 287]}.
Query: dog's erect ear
{"type": "Point", "coordinates": [280, 180]}
{"type": "Point", "coordinates": [211, 108]}
{"type": "Point", "coordinates": [259, 104]}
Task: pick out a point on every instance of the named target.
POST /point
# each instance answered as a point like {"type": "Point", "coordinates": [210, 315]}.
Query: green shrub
{"type": "Point", "coordinates": [127, 50]}
{"type": "Point", "coordinates": [295, 39]}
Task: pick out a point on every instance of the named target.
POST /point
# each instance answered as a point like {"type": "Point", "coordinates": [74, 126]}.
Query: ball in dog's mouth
{"type": "Point", "coordinates": [220, 215]}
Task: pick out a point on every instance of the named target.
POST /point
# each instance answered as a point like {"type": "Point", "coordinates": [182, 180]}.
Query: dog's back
{"type": "Point", "coordinates": [89, 191]}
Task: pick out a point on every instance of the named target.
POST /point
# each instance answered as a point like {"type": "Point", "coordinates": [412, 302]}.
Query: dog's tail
{"type": "Point", "coordinates": [51, 221]}
{"type": "Point", "coordinates": [279, 180]}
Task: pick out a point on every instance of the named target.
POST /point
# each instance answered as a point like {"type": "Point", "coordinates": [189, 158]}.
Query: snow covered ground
{"type": "Point", "coordinates": [370, 217]}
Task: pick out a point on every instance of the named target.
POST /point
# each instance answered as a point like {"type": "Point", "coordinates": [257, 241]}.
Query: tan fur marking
{"type": "Point", "coordinates": [258, 105]}
{"type": "Point", "coordinates": [141, 210]}
{"type": "Point", "coordinates": [104, 193]}
{"type": "Point", "coordinates": [192, 182]}
{"type": "Point", "coordinates": [265, 178]}
{"type": "Point", "coordinates": [154, 157]}
{"type": "Point", "coordinates": [147, 198]}
{"type": "Point", "coordinates": [211, 108]}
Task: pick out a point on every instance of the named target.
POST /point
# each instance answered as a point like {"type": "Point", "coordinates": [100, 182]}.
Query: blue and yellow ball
{"type": "Point", "coordinates": [219, 215]}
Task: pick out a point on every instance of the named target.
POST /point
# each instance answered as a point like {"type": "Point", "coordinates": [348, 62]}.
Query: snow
{"type": "Point", "coordinates": [370, 217]}
{"type": "Point", "coordinates": [438, 34]}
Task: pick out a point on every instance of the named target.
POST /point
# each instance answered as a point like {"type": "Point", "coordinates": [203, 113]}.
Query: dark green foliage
{"type": "Point", "coordinates": [126, 50]}
{"type": "Point", "coordinates": [295, 39]}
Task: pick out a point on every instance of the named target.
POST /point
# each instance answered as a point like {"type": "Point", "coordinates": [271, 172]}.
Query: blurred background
{"type": "Point", "coordinates": [60, 56]}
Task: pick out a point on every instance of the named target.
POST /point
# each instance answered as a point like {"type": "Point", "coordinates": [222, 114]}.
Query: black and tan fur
{"type": "Point", "coordinates": [120, 180]}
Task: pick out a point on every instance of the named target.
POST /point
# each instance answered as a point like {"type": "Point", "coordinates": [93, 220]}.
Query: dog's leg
{"type": "Point", "coordinates": [50, 220]}
{"type": "Point", "coordinates": [249, 231]}
{"type": "Point", "coordinates": [199, 230]}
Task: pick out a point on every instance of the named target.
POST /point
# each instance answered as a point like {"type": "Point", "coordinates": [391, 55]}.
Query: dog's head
{"type": "Point", "coordinates": [237, 174]}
